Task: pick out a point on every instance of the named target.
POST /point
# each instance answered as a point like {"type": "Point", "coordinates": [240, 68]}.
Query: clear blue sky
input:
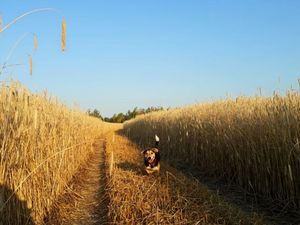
{"type": "Point", "coordinates": [122, 54]}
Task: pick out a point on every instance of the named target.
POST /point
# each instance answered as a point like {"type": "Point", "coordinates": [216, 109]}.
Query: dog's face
{"type": "Point", "coordinates": [149, 154]}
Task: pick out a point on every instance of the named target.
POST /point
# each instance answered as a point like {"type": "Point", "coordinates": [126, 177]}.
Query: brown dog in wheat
{"type": "Point", "coordinates": [152, 158]}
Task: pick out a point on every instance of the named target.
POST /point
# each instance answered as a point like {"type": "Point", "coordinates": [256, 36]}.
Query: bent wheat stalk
{"type": "Point", "coordinates": [34, 171]}
{"type": "Point", "coordinates": [24, 15]}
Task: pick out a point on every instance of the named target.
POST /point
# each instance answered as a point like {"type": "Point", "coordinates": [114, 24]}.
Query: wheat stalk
{"type": "Point", "coordinates": [30, 64]}
{"type": "Point", "coordinates": [245, 140]}
{"type": "Point", "coordinates": [35, 42]}
{"type": "Point", "coordinates": [43, 149]}
{"type": "Point", "coordinates": [111, 164]}
{"type": "Point", "coordinates": [24, 15]}
{"type": "Point", "coordinates": [34, 171]}
{"type": "Point", "coordinates": [35, 39]}
{"type": "Point", "coordinates": [63, 34]}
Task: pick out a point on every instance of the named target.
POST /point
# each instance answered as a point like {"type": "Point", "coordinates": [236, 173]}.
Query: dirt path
{"type": "Point", "coordinates": [112, 189]}
{"type": "Point", "coordinates": [85, 200]}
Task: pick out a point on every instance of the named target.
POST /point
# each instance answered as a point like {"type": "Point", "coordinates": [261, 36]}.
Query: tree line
{"type": "Point", "coordinates": [121, 117]}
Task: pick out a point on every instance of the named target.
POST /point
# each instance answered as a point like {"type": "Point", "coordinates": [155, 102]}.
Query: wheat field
{"type": "Point", "coordinates": [42, 144]}
{"type": "Point", "coordinates": [250, 141]}
{"type": "Point", "coordinates": [52, 172]}
{"type": "Point", "coordinates": [233, 161]}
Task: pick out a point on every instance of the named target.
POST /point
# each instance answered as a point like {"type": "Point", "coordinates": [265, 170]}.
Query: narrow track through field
{"type": "Point", "coordinates": [84, 200]}
{"type": "Point", "coordinates": [112, 189]}
{"type": "Point", "coordinates": [171, 198]}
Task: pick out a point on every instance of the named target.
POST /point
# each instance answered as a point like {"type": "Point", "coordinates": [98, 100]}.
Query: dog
{"type": "Point", "coordinates": [152, 158]}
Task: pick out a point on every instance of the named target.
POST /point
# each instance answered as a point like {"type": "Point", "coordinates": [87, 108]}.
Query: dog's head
{"type": "Point", "coordinates": [150, 154]}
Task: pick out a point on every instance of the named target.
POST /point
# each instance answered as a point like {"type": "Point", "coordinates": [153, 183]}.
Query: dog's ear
{"type": "Point", "coordinates": [143, 152]}
{"type": "Point", "coordinates": [155, 150]}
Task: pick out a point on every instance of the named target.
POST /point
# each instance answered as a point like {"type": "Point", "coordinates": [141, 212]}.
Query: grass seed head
{"type": "Point", "coordinates": [35, 42]}
{"type": "Point", "coordinates": [63, 34]}
{"type": "Point", "coordinates": [30, 64]}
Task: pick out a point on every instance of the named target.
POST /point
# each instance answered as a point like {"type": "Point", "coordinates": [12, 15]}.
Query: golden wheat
{"type": "Point", "coordinates": [42, 144]}
{"type": "Point", "coordinates": [63, 34]}
{"type": "Point", "coordinates": [35, 42]}
{"type": "Point", "coordinates": [171, 198]}
{"type": "Point", "coordinates": [251, 141]}
{"type": "Point", "coordinates": [30, 64]}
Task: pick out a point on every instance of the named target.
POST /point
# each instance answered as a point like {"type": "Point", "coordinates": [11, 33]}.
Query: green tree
{"type": "Point", "coordinates": [95, 113]}
{"type": "Point", "coordinates": [121, 117]}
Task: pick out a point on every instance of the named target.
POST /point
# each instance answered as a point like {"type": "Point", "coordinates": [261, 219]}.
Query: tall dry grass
{"type": "Point", "coordinates": [171, 198]}
{"type": "Point", "coordinates": [42, 144]}
{"type": "Point", "coordinates": [253, 142]}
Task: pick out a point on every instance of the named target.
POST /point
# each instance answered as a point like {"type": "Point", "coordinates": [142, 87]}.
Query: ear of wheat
{"type": "Point", "coordinates": [63, 34]}
{"type": "Point", "coordinates": [30, 64]}
{"type": "Point", "coordinates": [35, 42]}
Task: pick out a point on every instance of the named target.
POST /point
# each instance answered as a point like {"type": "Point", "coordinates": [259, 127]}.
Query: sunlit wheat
{"type": "Point", "coordinates": [42, 144]}
{"type": "Point", "coordinates": [63, 34]}
{"type": "Point", "coordinates": [35, 42]}
{"type": "Point", "coordinates": [30, 64]}
{"type": "Point", "coordinates": [253, 142]}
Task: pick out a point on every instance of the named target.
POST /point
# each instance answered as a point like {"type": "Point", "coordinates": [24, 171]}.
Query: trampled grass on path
{"type": "Point", "coordinates": [171, 198]}
{"type": "Point", "coordinates": [83, 200]}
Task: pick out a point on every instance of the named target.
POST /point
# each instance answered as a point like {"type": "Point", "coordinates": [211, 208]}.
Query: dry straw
{"type": "Point", "coordinates": [252, 142]}
{"type": "Point", "coordinates": [171, 198]}
{"type": "Point", "coordinates": [42, 145]}
{"type": "Point", "coordinates": [111, 164]}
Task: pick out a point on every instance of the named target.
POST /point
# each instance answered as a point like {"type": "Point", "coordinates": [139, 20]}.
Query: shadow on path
{"type": "Point", "coordinates": [101, 209]}
{"type": "Point", "coordinates": [129, 166]}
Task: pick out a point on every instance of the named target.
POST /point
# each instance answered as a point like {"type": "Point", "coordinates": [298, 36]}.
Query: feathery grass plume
{"type": "Point", "coordinates": [63, 34]}
{"type": "Point", "coordinates": [30, 64]}
{"type": "Point", "coordinates": [35, 42]}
